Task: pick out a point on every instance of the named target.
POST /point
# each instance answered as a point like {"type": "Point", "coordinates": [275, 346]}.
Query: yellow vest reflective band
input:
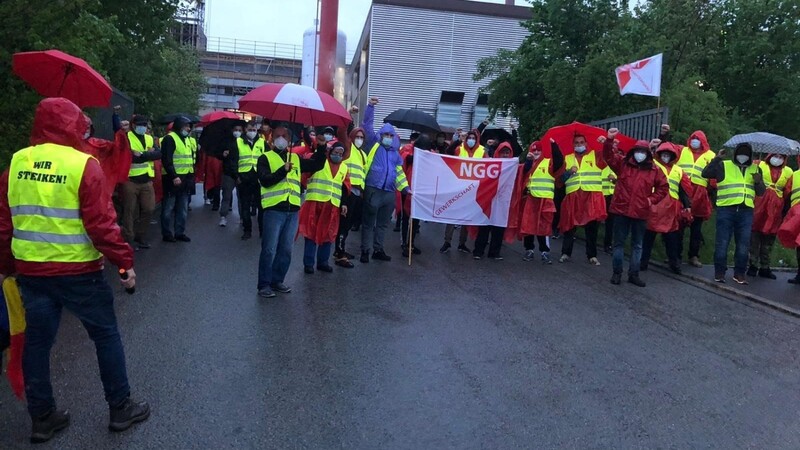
{"type": "Point", "coordinates": [694, 169]}
{"type": "Point", "coordinates": [674, 177]}
{"type": "Point", "coordinates": [325, 187]}
{"type": "Point", "coordinates": [588, 178]}
{"type": "Point", "coordinates": [182, 159]}
{"type": "Point", "coordinates": [779, 185]}
{"type": "Point", "coordinates": [43, 186]}
{"type": "Point", "coordinates": [541, 184]}
{"type": "Point", "coordinates": [400, 181]}
{"type": "Point", "coordinates": [479, 152]}
{"type": "Point", "coordinates": [248, 157]}
{"type": "Point", "coordinates": [608, 185]}
{"type": "Point", "coordinates": [795, 194]}
{"type": "Point", "coordinates": [287, 189]}
{"type": "Point", "coordinates": [145, 168]}
{"type": "Point", "coordinates": [736, 188]}
{"type": "Point", "coordinates": [355, 167]}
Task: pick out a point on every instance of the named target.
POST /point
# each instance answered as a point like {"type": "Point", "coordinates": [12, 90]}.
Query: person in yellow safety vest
{"type": "Point", "coordinates": [55, 233]}
{"type": "Point", "coordinates": [279, 172]}
{"type": "Point", "coordinates": [384, 176]}
{"type": "Point", "coordinates": [138, 195]}
{"type": "Point", "coordinates": [609, 182]}
{"type": "Point", "coordinates": [245, 154]}
{"type": "Point", "coordinates": [693, 159]}
{"type": "Point", "coordinates": [191, 142]}
{"type": "Point", "coordinates": [356, 160]}
{"type": "Point", "coordinates": [767, 215]}
{"type": "Point", "coordinates": [177, 168]}
{"type": "Point", "coordinates": [539, 205]}
{"type": "Point", "coordinates": [322, 210]}
{"type": "Point", "coordinates": [470, 147]}
{"type": "Point", "coordinates": [791, 194]}
{"type": "Point", "coordinates": [738, 183]}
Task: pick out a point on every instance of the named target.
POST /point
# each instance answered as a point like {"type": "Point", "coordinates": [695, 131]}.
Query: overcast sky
{"type": "Point", "coordinates": [255, 20]}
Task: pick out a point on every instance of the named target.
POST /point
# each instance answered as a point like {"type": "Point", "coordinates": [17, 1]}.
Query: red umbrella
{"type": "Point", "coordinates": [53, 73]}
{"type": "Point", "coordinates": [215, 116]}
{"type": "Point", "coordinates": [564, 134]}
{"type": "Point", "coordinates": [294, 103]}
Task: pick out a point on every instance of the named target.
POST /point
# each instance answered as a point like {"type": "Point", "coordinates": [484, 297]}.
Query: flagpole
{"type": "Point", "coordinates": [658, 116]}
{"type": "Point", "coordinates": [410, 235]}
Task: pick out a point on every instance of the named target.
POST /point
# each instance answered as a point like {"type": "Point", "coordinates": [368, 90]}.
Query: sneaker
{"type": "Point", "coordinates": [695, 262]}
{"type": "Point", "coordinates": [127, 414]}
{"type": "Point", "coordinates": [415, 250]}
{"type": "Point", "coordinates": [676, 269]}
{"type": "Point", "coordinates": [476, 257]}
{"type": "Point", "coordinates": [282, 288]}
{"type": "Point", "coordinates": [207, 202]}
{"type": "Point", "coordinates": [349, 255]}
{"type": "Point", "coordinates": [464, 249]}
{"type": "Point", "coordinates": [141, 245]}
{"type": "Point", "coordinates": [344, 262]}
{"type": "Point", "coordinates": [636, 281]}
{"type": "Point", "coordinates": [496, 258]}
{"type": "Point", "coordinates": [381, 256]}
{"type": "Point", "coordinates": [266, 293]}
{"type": "Point", "coordinates": [404, 251]}
{"type": "Point", "coordinates": [445, 248]}
{"type": "Point", "coordinates": [529, 254]}
{"type": "Point", "coordinates": [752, 271]}
{"type": "Point", "coordinates": [740, 279]}
{"type": "Point", "coordinates": [247, 235]}
{"type": "Point", "coordinates": [169, 239]}
{"type": "Point", "coordinates": [594, 261]}
{"type": "Point", "coordinates": [326, 268]}
{"type": "Point", "coordinates": [364, 257]}
{"type": "Point", "coordinates": [223, 221]}
{"type": "Point", "coordinates": [308, 269]}
{"type": "Point", "coordinates": [44, 427]}
{"type": "Point", "coordinates": [766, 273]}
{"type": "Point", "coordinates": [564, 258]}
{"type": "Point", "coordinates": [616, 278]}
{"type": "Point", "coordinates": [546, 258]}
{"type": "Point", "coordinates": [183, 238]}
{"type": "Point", "coordinates": [556, 236]}
{"type": "Point", "coordinates": [719, 277]}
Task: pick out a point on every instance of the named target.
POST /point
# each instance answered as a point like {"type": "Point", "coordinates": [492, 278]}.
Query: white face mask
{"type": "Point", "coordinates": [741, 159]}
{"type": "Point", "coordinates": [281, 143]}
{"type": "Point", "coordinates": [184, 133]}
{"type": "Point", "coordinates": [640, 156]}
{"type": "Point", "coordinates": [237, 134]}
{"type": "Point", "coordinates": [470, 142]}
{"type": "Point", "coordinates": [776, 161]}
{"type": "Point", "coordinates": [358, 142]}
{"type": "Point", "coordinates": [666, 158]}
{"type": "Point", "coordinates": [695, 143]}
{"type": "Point", "coordinates": [251, 135]}
{"type": "Point", "coordinates": [86, 135]}
{"type": "Point", "coordinates": [580, 149]}
{"type": "Point", "coordinates": [140, 130]}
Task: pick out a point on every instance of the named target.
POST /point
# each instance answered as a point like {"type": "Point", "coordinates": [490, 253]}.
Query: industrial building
{"type": "Point", "coordinates": [423, 54]}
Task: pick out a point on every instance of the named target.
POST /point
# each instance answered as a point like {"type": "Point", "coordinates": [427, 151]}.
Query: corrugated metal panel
{"type": "Point", "coordinates": [409, 66]}
{"type": "Point", "coordinates": [641, 125]}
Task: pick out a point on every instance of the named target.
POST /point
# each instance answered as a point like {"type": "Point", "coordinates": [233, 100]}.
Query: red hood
{"type": "Point", "coordinates": [703, 140]}
{"type": "Point", "coordinates": [667, 147]}
{"type": "Point", "coordinates": [477, 139]}
{"type": "Point", "coordinates": [352, 137]}
{"type": "Point", "coordinates": [504, 150]}
{"type": "Point", "coordinates": [769, 156]}
{"type": "Point", "coordinates": [59, 121]}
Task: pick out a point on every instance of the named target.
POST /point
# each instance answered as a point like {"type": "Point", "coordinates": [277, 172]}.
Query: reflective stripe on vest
{"type": "Point", "coordinates": [778, 185]}
{"type": "Point", "coordinates": [287, 189]}
{"type": "Point", "coordinates": [588, 178]}
{"type": "Point", "coordinates": [355, 167]}
{"type": "Point", "coordinates": [694, 169]}
{"type": "Point", "coordinates": [182, 159]}
{"type": "Point", "coordinates": [674, 176]}
{"type": "Point", "coordinates": [736, 188]}
{"type": "Point", "coordinates": [480, 152]}
{"type": "Point", "coordinates": [325, 187]}
{"type": "Point", "coordinates": [608, 185]}
{"type": "Point", "coordinates": [44, 181]}
{"type": "Point", "coordinates": [400, 181]}
{"type": "Point", "coordinates": [248, 157]}
{"type": "Point", "coordinates": [145, 168]}
{"type": "Point", "coordinates": [541, 184]}
{"type": "Point", "coordinates": [794, 196]}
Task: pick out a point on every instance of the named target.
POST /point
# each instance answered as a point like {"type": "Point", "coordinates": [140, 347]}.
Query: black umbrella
{"type": "Point", "coordinates": [169, 118]}
{"type": "Point", "coordinates": [218, 135]}
{"type": "Point", "coordinates": [412, 119]}
{"type": "Point", "coordinates": [499, 134]}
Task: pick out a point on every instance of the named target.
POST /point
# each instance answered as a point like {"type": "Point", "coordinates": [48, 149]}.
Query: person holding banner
{"type": "Point", "coordinates": [540, 208]}
{"type": "Point", "coordinates": [469, 148]}
{"type": "Point", "coordinates": [496, 233]}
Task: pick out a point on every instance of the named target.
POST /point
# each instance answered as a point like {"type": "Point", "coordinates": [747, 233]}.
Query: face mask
{"type": "Point", "coordinates": [86, 135]}
{"type": "Point", "coordinates": [140, 130]}
{"type": "Point", "coordinates": [336, 159]}
{"type": "Point", "coordinates": [666, 158]}
{"type": "Point", "coordinates": [184, 133]}
{"type": "Point", "coordinates": [695, 143]}
{"type": "Point", "coordinates": [387, 141]}
{"type": "Point", "coordinates": [470, 142]}
{"type": "Point", "coordinates": [537, 155]}
{"type": "Point", "coordinates": [237, 134]}
{"type": "Point", "coordinates": [741, 159]}
{"type": "Point", "coordinates": [328, 137]}
{"type": "Point", "coordinates": [251, 135]}
{"type": "Point", "coordinates": [281, 143]}
{"type": "Point", "coordinates": [359, 142]}
{"type": "Point", "coordinates": [580, 149]}
{"type": "Point", "coordinates": [776, 161]}
{"type": "Point", "coordinates": [440, 141]}
{"type": "Point", "coordinates": [640, 157]}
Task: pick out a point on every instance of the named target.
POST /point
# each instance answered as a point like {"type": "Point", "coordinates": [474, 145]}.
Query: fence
{"type": "Point", "coordinates": [641, 125]}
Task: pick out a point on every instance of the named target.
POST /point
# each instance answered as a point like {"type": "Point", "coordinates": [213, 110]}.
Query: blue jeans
{"type": "Point", "coordinates": [733, 221]}
{"type": "Point", "coordinates": [622, 227]}
{"type": "Point", "coordinates": [280, 228]}
{"type": "Point", "coordinates": [88, 297]}
{"type": "Point", "coordinates": [322, 253]}
{"type": "Point", "coordinates": [176, 204]}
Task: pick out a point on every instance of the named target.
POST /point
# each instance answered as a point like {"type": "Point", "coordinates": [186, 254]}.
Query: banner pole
{"type": "Point", "coordinates": [658, 116]}
{"type": "Point", "coordinates": [410, 235]}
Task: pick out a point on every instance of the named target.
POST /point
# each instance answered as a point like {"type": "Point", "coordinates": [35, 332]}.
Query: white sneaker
{"type": "Point", "coordinates": [208, 201]}
{"type": "Point", "coordinates": [529, 254]}
{"type": "Point", "coordinates": [223, 221]}
{"type": "Point", "coordinates": [564, 258]}
{"type": "Point", "coordinates": [594, 261]}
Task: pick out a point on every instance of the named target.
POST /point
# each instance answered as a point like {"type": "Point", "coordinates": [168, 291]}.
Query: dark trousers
{"type": "Point", "coordinates": [214, 195]}
{"type": "Point", "coordinates": [558, 197]}
{"type": "Point", "coordinates": [672, 244]}
{"type": "Point", "coordinates": [174, 205]}
{"type": "Point", "coordinates": [623, 227]}
{"type": "Point", "coordinates": [695, 238]}
{"type": "Point", "coordinates": [591, 240]}
{"type": "Point", "coordinates": [405, 219]}
{"type": "Point", "coordinates": [761, 249]}
{"type": "Point", "coordinates": [608, 236]}
{"type": "Point", "coordinates": [353, 216]}
{"type": "Point", "coordinates": [529, 242]}
{"type": "Point", "coordinates": [483, 238]}
{"type": "Point", "coordinates": [248, 193]}
{"type": "Point", "coordinates": [90, 299]}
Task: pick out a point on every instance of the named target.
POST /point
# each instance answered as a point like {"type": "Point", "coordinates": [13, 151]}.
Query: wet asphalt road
{"type": "Point", "coordinates": [451, 353]}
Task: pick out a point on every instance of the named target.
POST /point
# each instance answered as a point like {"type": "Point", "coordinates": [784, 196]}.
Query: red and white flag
{"type": "Point", "coordinates": [641, 77]}
{"type": "Point", "coordinates": [462, 191]}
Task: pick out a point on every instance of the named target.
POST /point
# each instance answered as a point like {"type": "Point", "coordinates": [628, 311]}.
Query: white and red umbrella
{"type": "Point", "coordinates": [295, 103]}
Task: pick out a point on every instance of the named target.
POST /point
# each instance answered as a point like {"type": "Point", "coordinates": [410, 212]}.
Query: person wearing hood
{"type": "Point", "coordinates": [540, 208]}
{"type": "Point", "coordinates": [609, 182]}
{"type": "Point", "coordinates": [693, 159]}
{"type": "Point", "coordinates": [789, 230]}
{"type": "Point", "coordinates": [279, 172]}
{"type": "Point", "coordinates": [768, 214]}
{"type": "Point", "coordinates": [177, 168]}
{"type": "Point", "coordinates": [355, 160]}
{"type": "Point", "coordinates": [469, 148]}
{"type": "Point", "coordinates": [739, 181]}
{"type": "Point", "coordinates": [138, 194]}
{"type": "Point", "coordinates": [640, 185]}
{"type": "Point", "coordinates": [230, 171]}
{"type": "Point", "coordinates": [322, 210]}
{"type": "Point", "coordinates": [248, 149]}
{"type": "Point", "coordinates": [384, 176]}
{"type": "Point", "coordinates": [491, 234]}
{"type": "Point", "coordinates": [665, 216]}
{"type": "Point", "coordinates": [55, 235]}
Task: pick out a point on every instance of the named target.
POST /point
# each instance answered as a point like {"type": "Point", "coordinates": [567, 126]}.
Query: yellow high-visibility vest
{"type": "Point", "coordinates": [323, 186]}
{"type": "Point", "coordinates": [541, 184]}
{"type": "Point", "coordinates": [736, 188]}
{"type": "Point", "coordinates": [674, 177]}
{"type": "Point", "coordinates": [777, 186]}
{"type": "Point", "coordinates": [694, 169]}
{"type": "Point", "coordinates": [287, 189]}
{"type": "Point", "coordinates": [355, 167]}
{"type": "Point", "coordinates": [43, 187]}
{"type": "Point", "coordinates": [400, 181]}
{"type": "Point", "coordinates": [588, 178]}
{"type": "Point", "coordinates": [479, 152]}
{"type": "Point", "coordinates": [608, 185]}
{"type": "Point", "coordinates": [795, 194]}
{"type": "Point", "coordinates": [147, 167]}
{"type": "Point", "coordinates": [248, 157]}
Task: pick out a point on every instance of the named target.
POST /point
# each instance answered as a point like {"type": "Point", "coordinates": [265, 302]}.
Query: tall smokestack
{"type": "Point", "coordinates": [329, 21]}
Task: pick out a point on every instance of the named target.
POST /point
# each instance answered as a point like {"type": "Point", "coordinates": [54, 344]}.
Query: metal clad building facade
{"type": "Point", "coordinates": [420, 54]}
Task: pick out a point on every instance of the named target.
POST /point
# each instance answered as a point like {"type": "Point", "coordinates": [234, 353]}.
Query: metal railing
{"type": "Point", "coordinates": [254, 48]}
{"type": "Point", "coordinates": [641, 125]}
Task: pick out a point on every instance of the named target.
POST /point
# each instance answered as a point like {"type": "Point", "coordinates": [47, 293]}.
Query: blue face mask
{"type": "Point", "coordinates": [184, 133]}
{"type": "Point", "coordinates": [387, 141]}
{"type": "Point", "coordinates": [336, 159]}
{"type": "Point", "coordinates": [140, 130]}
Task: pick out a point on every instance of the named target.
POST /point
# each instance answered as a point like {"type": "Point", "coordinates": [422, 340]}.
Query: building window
{"type": "Point", "coordinates": [448, 113]}
{"type": "Point", "coordinates": [481, 110]}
